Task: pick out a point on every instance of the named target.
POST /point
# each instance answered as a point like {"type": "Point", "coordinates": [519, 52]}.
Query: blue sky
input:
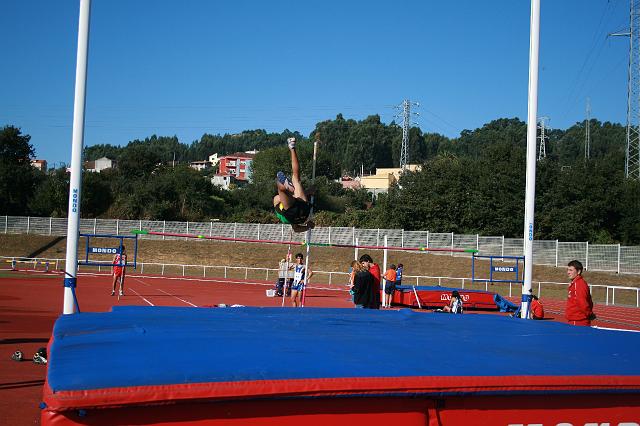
{"type": "Point", "coordinates": [192, 67]}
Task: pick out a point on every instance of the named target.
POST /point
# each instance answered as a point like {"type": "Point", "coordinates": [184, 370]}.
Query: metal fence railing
{"type": "Point", "coordinates": [595, 257]}
{"type": "Point", "coordinates": [602, 294]}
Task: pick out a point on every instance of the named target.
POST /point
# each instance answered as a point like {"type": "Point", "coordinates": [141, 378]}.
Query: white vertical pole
{"type": "Point", "coordinates": [385, 253]}
{"type": "Point", "coordinates": [557, 248]}
{"type": "Point", "coordinates": [618, 258]}
{"type": "Point", "coordinates": [356, 248]}
{"type": "Point", "coordinates": [75, 184]}
{"type": "Point", "coordinates": [586, 261]}
{"type": "Point", "coordinates": [50, 223]}
{"type": "Point", "coordinates": [308, 233]}
{"type": "Point", "coordinates": [452, 244]}
{"type": "Point", "coordinates": [532, 120]}
{"type": "Point", "coordinates": [28, 223]}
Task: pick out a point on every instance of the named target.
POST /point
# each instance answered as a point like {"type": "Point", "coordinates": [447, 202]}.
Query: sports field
{"type": "Point", "coordinates": [31, 302]}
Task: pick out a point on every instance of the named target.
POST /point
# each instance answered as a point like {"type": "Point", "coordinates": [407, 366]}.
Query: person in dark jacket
{"type": "Point", "coordinates": [364, 285]}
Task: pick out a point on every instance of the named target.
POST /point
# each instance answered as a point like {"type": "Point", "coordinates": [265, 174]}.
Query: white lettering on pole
{"type": "Point", "coordinates": [74, 201]}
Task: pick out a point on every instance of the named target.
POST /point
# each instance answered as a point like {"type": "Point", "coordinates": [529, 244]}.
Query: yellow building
{"type": "Point", "coordinates": [384, 178]}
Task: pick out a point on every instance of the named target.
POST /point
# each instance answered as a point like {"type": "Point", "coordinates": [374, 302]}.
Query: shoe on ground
{"type": "Point", "coordinates": [291, 143]}
{"type": "Point", "coordinates": [17, 356]}
{"type": "Point", "coordinates": [113, 293]}
{"type": "Point", "coordinates": [121, 293]}
{"type": "Point", "coordinates": [39, 359]}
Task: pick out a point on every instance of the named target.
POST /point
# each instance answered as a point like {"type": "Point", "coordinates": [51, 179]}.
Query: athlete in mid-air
{"type": "Point", "coordinates": [291, 203]}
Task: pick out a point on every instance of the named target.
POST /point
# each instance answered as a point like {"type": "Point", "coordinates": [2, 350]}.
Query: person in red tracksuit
{"type": "Point", "coordinates": [579, 309]}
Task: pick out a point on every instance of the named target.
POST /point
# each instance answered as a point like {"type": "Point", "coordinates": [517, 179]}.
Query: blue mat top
{"type": "Point", "coordinates": [133, 346]}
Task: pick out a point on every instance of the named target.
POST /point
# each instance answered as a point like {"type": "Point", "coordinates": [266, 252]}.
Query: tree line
{"type": "Point", "coordinates": [474, 183]}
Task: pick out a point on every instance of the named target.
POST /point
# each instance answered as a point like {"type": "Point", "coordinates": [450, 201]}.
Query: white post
{"type": "Point", "coordinates": [6, 223]}
{"type": "Point", "coordinates": [28, 223]}
{"type": "Point", "coordinates": [75, 182]}
{"type": "Point", "coordinates": [618, 258]}
{"type": "Point", "coordinates": [356, 249]}
{"type": "Point", "coordinates": [117, 226]}
{"type": "Point", "coordinates": [258, 232]}
{"type": "Point", "coordinates": [385, 253]}
{"type": "Point", "coordinates": [557, 249]}
{"type": "Point", "coordinates": [329, 235]}
{"type": "Point", "coordinates": [534, 45]}
{"type": "Point", "coordinates": [50, 223]}
{"type": "Point", "coordinates": [586, 254]}
{"type": "Point", "coordinates": [452, 244]}
{"type": "Point", "coordinates": [308, 233]}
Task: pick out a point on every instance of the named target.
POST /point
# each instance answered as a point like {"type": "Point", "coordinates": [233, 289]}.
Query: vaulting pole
{"type": "Point", "coordinates": [308, 236]}
{"type": "Point", "coordinates": [75, 186]}
{"type": "Point", "coordinates": [532, 120]}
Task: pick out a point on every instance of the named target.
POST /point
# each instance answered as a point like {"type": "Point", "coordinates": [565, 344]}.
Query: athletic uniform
{"type": "Point", "coordinates": [579, 304]}
{"type": "Point", "coordinates": [298, 278]}
{"type": "Point", "coordinates": [537, 310]}
{"type": "Point", "coordinates": [118, 271]}
{"type": "Point", "coordinates": [456, 306]}
{"type": "Point", "coordinates": [294, 215]}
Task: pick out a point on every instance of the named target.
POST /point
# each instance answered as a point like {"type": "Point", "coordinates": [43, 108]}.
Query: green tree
{"type": "Point", "coordinates": [18, 179]}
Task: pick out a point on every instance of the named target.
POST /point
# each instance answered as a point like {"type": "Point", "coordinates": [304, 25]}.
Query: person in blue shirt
{"type": "Point", "coordinates": [399, 270]}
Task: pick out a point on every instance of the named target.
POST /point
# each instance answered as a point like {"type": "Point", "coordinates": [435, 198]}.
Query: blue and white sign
{"type": "Point", "coordinates": [103, 250]}
{"type": "Point", "coordinates": [504, 269]}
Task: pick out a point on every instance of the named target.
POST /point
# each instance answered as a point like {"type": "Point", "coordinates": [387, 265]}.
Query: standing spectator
{"type": "Point", "coordinates": [399, 271]}
{"type": "Point", "coordinates": [297, 287]}
{"type": "Point", "coordinates": [375, 271]}
{"type": "Point", "coordinates": [353, 270]}
{"type": "Point", "coordinates": [119, 264]}
{"type": "Point", "coordinates": [363, 284]}
{"type": "Point", "coordinates": [579, 309]}
{"type": "Point", "coordinates": [389, 285]}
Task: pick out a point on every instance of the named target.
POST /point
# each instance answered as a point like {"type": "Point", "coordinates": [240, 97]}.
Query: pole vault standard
{"type": "Point", "coordinates": [529, 207]}
{"type": "Point", "coordinates": [70, 304]}
{"type": "Point", "coordinates": [308, 234]}
{"type": "Point", "coordinates": [300, 243]}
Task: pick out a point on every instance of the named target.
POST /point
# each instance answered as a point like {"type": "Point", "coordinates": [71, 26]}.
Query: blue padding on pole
{"type": "Point", "coordinates": [146, 346]}
{"type": "Point", "coordinates": [70, 282]}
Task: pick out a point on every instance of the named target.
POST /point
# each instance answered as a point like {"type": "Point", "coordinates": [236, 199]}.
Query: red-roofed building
{"type": "Point", "coordinates": [237, 165]}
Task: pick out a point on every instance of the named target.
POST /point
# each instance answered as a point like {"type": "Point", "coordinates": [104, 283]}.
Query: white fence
{"type": "Point", "coordinates": [595, 257]}
{"type": "Point", "coordinates": [603, 294]}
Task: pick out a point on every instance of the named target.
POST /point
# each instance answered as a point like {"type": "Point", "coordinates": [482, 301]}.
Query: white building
{"type": "Point", "coordinates": [99, 165]}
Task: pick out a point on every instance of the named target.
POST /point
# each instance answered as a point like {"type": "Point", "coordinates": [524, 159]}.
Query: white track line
{"type": "Point", "coordinates": [176, 297]}
{"type": "Point", "coordinates": [140, 296]}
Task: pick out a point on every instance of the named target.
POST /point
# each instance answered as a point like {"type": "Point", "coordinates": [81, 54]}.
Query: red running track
{"type": "Point", "coordinates": [30, 304]}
